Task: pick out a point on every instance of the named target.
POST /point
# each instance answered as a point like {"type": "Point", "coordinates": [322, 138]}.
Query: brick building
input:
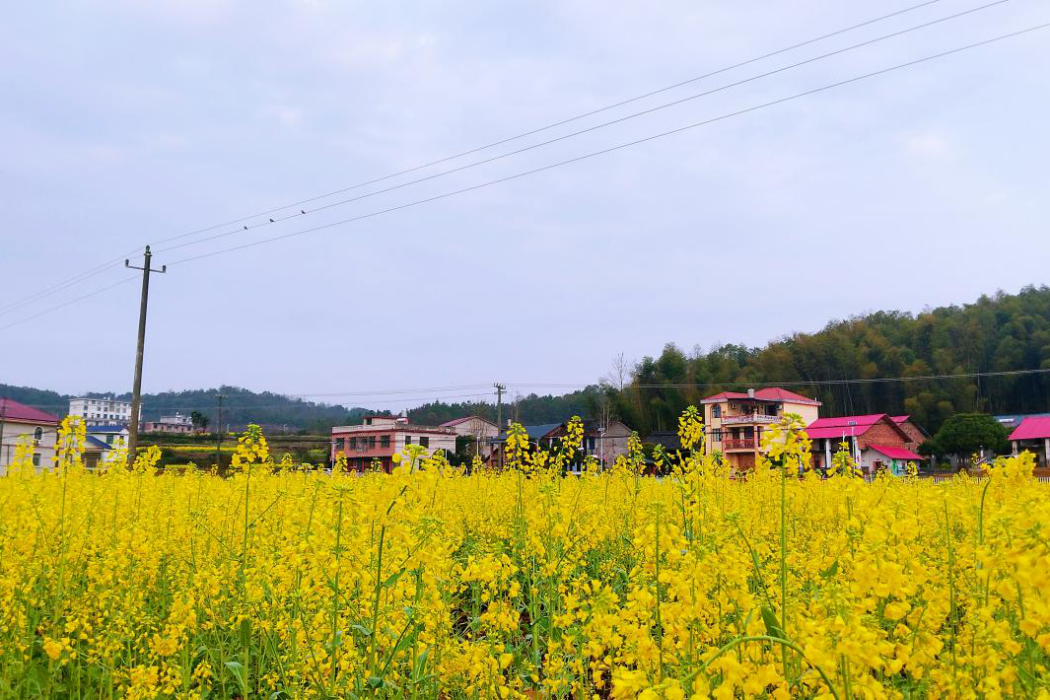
{"type": "Point", "coordinates": [876, 441]}
{"type": "Point", "coordinates": [381, 437]}
{"type": "Point", "coordinates": [916, 434]}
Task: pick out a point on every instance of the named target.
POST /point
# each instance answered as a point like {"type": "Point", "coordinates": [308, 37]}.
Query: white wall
{"type": "Point", "coordinates": [13, 430]}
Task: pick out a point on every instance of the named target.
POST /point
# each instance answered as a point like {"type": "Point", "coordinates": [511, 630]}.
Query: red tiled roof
{"type": "Point", "coordinates": [896, 452]}
{"type": "Point", "coordinates": [843, 425]}
{"type": "Point", "coordinates": [19, 412]}
{"type": "Point", "coordinates": [768, 394]}
{"type": "Point", "coordinates": [900, 419]}
{"type": "Point", "coordinates": [1032, 428]}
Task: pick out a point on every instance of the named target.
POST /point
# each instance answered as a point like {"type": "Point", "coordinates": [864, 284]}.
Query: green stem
{"type": "Point", "coordinates": [729, 646]}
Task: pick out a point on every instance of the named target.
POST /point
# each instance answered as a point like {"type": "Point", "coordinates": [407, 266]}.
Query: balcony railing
{"type": "Point", "coordinates": [739, 444]}
{"type": "Point", "coordinates": [750, 418]}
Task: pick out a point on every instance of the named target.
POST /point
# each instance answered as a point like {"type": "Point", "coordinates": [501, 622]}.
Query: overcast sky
{"type": "Point", "coordinates": [127, 122]}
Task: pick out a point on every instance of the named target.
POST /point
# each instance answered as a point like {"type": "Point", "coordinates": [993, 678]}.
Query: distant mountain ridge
{"type": "Point", "coordinates": [240, 406]}
{"type": "Point", "coordinates": [243, 406]}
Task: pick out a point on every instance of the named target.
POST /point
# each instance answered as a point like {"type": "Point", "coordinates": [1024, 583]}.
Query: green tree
{"type": "Point", "coordinates": [199, 420]}
{"type": "Point", "coordinates": [967, 433]}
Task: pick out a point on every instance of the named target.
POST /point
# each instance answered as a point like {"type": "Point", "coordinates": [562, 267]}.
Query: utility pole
{"type": "Point", "coordinates": [500, 388]}
{"type": "Point", "coordinates": [3, 415]}
{"type": "Point", "coordinates": [136, 392]}
{"type": "Point", "coordinates": [218, 433]}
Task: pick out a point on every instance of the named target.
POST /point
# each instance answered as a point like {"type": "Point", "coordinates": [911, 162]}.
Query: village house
{"type": "Point", "coordinates": [916, 434]}
{"type": "Point", "coordinates": [876, 441]}
{"type": "Point", "coordinates": [103, 410]}
{"type": "Point", "coordinates": [735, 421]}
{"type": "Point", "coordinates": [1033, 434]}
{"type": "Point", "coordinates": [177, 423]}
{"type": "Point", "coordinates": [20, 422]}
{"type": "Point", "coordinates": [111, 435]}
{"type": "Point", "coordinates": [95, 451]}
{"type": "Point", "coordinates": [604, 443]}
{"type": "Point", "coordinates": [378, 438]}
{"type": "Point", "coordinates": [540, 436]}
{"type": "Point", "coordinates": [480, 430]}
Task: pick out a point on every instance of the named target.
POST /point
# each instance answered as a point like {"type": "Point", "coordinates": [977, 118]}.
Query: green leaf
{"type": "Point", "coordinates": [237, 669]}
{"type": "Point", "coordinates": [772, 623]}
{"type": "Point", "coordinates": [362, 630]}
{"type": "Point", "coordinates": [831, 570]}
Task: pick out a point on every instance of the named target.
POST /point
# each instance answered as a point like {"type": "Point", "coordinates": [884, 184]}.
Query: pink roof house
{"type": "Point", "coordinates": [1033, 434]}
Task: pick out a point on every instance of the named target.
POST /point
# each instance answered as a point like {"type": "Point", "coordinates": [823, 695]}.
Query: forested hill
{"type": "Point", "coordinates": [529, 410]}
{"type": "Point", "coordinates": [1005, 332]}
{"type": "Point", "coordinates": [240, 406]}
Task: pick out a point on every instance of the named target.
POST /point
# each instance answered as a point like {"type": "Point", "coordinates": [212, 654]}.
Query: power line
{"type": "Point", "coordinates": [61, 285]}
{"type": "Point", "coordinates": [292, 406]}
{"type": "Point", "coordinates": [68, 303]}
{"type": "Point", "coordinates": [555, 385]}
{"type": "Point", "coordinates": [552, 125]}
{"type": "Point", "coordinates": [565, 162]}
{"type": "Point", "coordinates": [596, 127]}
{"type": "Point", "coordinates": [618, 147]}
{"type": "Point", "coordinates": [807, 382]}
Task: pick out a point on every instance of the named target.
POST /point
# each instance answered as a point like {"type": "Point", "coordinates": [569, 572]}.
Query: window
{"type": "Point", "coordinates": [384, 441]}
{"type": "Point", "coordinates": [38, 434]}
{"type": "Point", "coordinates": [717, 436]}
{"type": "Point", "coordinates": [36, 459]}
{"type": "Point", "coordinates": [353, 443]}
{"type": "Point", "coordinates": [339, 442]}
{"type": "Point", "coordinates": [368, 421]}
{"type": "Point", "coordinates": [589, 443]}
{"type": "Point", "coordinates": [424, 442]}
{"type": "Point", "coordinates": [408, 439]}
{"type": "Point", "coordinates": [716, 411]}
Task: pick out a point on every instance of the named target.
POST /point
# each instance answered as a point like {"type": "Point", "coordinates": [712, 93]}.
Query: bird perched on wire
{"type": "Point", "coordinates": [271, 221]}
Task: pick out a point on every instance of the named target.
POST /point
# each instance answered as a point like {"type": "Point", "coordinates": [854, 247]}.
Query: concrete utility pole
{"type": "Point", "coordinates": [500, 388]}
{"type": "Point", "coordinates": [136, 391]}
{"type": "Point", "coordinates": [3, 414]}
{"type": "Point", "coordinates": [218, 433]}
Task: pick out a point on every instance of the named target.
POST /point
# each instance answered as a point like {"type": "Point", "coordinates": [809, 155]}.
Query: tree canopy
{"type": "Point", "coordinates": [1000, 333]}
{"type": "Point", "coordinates": [967, 433]}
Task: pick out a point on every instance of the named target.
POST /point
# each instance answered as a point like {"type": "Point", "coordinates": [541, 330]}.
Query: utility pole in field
{"type": "Point", "coordinates": [136, 391]}
{"type": "Point", "coordinates": [218, 432]}
{"type": "Point", "coordinates": [3, 414]}
{"type": "Point", "coordinates": [500, 388]}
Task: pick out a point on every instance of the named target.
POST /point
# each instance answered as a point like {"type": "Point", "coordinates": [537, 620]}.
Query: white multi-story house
{"type": "Point", "coordinates": [101, 411]}
{"type": "Point", "coordinates": [20, 422]}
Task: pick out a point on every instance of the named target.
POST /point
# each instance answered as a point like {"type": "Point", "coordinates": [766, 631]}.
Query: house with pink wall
{"type": "Point", "coordinates": [379, 438]}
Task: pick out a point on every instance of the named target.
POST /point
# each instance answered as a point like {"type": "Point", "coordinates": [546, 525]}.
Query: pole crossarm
{"type": "Point", "coordinates": [136, 393]}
